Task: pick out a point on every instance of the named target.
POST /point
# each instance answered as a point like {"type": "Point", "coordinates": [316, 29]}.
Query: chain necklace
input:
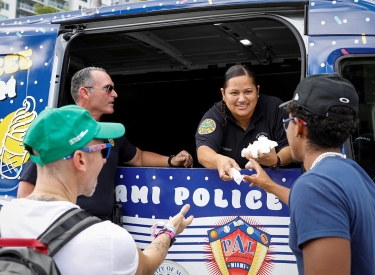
{"type": "Point", "coordinates": [327, 154]}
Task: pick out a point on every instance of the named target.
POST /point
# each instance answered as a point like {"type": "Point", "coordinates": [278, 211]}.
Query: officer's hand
{"type": "Point", "coordinates": [267, 159]}
{"type": "Point", "coordinates": [224, 165]}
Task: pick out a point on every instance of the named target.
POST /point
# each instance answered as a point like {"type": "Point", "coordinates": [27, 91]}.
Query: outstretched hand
{"type": "Point", "coordinates": [260, 179]}
{"type": "Point", "coordinates": [182, 159]}
{"type": "Point", "coordinates": [179, 221]}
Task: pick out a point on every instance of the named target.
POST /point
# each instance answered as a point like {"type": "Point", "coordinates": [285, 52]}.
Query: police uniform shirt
{"type": "Point", "coordinates": [267, 120]}
{"type": "Point", "coordinates": [101, 203]}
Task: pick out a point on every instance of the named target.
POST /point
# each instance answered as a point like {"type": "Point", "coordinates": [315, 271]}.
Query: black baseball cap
{"type": "Point", "coordinates": [318, 93]}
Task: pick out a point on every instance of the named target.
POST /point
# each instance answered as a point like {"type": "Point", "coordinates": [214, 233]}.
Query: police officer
{"type": "Point", "coordinates": [241, 118]}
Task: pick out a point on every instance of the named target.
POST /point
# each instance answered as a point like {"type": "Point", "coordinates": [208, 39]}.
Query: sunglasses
{"type": "Point", "coordinates": [104, 147]}
{"type": "Point", "coordinates": [109, 88]}
{"type": "Point", "coordinates": [286, 122]}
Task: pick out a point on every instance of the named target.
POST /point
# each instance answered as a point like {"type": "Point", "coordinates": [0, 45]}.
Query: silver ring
{"type": "Point", "coordinates": [182, 213]}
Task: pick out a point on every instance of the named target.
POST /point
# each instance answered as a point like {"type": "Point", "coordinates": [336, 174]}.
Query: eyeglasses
{"type": "Point", "coordinates": [109, 88]}
{"type": "Point", "coordinates": [104, 147]}
{"type": "Point", "coordinates": [286, 122]}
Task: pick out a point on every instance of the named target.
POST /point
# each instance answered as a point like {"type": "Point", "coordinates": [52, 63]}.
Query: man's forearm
{"type": "Point", "coordinates": [153, 255]}
{"type": "Point", "coordinates": [151, 159]}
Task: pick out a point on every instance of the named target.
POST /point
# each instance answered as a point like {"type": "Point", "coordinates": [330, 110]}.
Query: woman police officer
{"type": "Point", "coordinates": [239, 119]}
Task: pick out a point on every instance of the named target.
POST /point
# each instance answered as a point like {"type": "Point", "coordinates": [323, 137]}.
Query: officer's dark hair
{"type": "Point", "coordinates": [82, 78]}
{"type": "Point", "coordinates": [234, 71]}
{"type": "Point", "coordinates": [324, 133]}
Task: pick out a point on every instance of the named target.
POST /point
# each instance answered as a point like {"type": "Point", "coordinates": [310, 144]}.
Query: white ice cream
{"type": "Point", "coordinates": [263, 144]}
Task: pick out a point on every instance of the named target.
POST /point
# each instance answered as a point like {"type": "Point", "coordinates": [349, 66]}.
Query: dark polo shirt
{"type": "Point", "coordinates": [267, 120]}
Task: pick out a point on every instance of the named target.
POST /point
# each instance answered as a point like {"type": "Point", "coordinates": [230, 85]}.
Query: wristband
{"type": "Point", "coordinates": [277, 165]}
{"type": "Point", "coordinates": [170, 227]}
{"type": "Point", "coordinates": [170, 233]}
{"type": "Point", "coordinates": [170, 161]}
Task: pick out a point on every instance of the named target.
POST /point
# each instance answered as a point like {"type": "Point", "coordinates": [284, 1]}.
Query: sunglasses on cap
{"type": "Point", "coordinates": [104, 147]}
{"type": "Point", "coordinates": [108, 88]}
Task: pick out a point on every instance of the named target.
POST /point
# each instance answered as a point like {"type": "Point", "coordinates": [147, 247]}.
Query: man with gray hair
{"type": "Point", "coordinates": [92, 88]}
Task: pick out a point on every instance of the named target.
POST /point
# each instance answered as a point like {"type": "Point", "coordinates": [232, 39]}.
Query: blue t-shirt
{"type": "Point", "coordinates": [336, 198]}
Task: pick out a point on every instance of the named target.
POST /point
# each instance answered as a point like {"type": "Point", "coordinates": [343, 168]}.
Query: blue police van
{"type": "Point", "coordinates": [167, 60]}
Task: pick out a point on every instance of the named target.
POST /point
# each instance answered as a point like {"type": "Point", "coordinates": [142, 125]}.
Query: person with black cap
{"type": "Point", "coordinates": [332, 205]}
{"type": "Point", "coordinates": [67, 144]}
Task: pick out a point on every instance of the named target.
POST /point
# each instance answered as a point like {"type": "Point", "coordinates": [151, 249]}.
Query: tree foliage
{"type": "Point", "coordinates": [42, 9]}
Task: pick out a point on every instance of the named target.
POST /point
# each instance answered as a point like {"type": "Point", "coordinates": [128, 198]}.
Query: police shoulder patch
{"type": "Point", "coordinates": [207, 126]}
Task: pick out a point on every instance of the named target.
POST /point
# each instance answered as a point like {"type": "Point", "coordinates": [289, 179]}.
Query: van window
{"type": "Point", "coordinates": [361, 72]}
{"type": "Point", "coordinates": [168, 77]}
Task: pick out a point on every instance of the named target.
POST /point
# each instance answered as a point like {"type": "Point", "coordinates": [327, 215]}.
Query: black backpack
{"type": "Point", "coordinates": [37, 258]}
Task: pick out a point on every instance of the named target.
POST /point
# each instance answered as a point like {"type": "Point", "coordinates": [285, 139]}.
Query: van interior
{"type": "Point", "coordinates": [168, 76]}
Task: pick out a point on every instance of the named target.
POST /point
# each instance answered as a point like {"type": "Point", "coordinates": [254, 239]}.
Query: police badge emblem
{"type": "Point", "coordinates": [207, 126]}
{"type": "Point", "coordinates": [238, 248]}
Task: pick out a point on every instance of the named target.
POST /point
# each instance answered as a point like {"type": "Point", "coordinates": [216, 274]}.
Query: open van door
{"type": "Point", "coordinates": [342, 40]}
{"type": "Point", "coordinates": [26, 63]}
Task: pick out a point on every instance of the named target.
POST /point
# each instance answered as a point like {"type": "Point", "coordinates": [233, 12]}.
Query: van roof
{"type": "Point", "coordinates": [143, 7]}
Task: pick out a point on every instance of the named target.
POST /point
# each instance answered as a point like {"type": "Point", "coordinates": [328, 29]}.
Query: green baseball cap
{"type": "Point", "coordinates": [59, 132]}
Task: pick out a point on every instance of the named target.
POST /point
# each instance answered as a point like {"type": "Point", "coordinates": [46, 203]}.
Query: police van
{"type": "Point", "coordinates": [167, 59]}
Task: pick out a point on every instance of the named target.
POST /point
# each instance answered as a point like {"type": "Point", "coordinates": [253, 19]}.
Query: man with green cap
{"type": "Point", "coordinates": [67, 143]}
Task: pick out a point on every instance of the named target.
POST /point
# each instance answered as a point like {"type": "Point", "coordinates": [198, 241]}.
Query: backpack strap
{"type": "Point", "coordinates": [66, 227]}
